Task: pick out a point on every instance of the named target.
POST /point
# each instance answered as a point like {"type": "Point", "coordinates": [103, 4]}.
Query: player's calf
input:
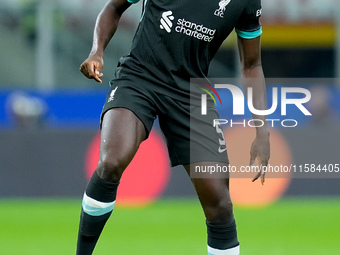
{"type": "Point", "coordinates": [98, 203]}
{"type": "Point", "coordinates": [222, 238]}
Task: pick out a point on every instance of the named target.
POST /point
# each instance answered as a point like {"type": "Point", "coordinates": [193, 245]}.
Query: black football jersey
{"type": "Point", "coordinates": [177, 39]}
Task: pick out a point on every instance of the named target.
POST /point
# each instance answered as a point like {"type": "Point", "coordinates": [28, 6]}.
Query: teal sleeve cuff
{"type": "Point", "coordinates": [133, 1]}
{"type": "Point", "coordinates": [249, 35]}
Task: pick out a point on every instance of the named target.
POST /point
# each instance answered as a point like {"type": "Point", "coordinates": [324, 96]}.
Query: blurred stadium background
{"type": "Point", "coordinates": [49, 128]}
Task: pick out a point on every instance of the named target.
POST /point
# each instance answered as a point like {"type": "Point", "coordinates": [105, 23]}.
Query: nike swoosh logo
{"type": "Point", "coordinates": [220, 149]}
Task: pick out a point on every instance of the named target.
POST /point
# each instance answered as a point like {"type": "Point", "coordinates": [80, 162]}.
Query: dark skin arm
{"type": "Point", "coordinates": [105, 28]}
{"type": "Point", "coordinates": [252, 76]}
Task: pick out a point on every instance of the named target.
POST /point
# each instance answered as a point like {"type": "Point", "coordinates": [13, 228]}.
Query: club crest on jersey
{"type": "Point", "coordinates": [222, 7]}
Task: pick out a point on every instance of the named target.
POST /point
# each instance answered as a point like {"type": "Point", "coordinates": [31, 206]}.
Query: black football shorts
{"type": "Point", "coordinates": [190, 137]}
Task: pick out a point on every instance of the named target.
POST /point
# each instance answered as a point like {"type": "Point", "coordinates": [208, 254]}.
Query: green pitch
{"type": "Point", "coordinates": [168, 227]}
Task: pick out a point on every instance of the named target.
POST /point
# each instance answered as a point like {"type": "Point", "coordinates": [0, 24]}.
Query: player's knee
{"type": "Point", "coordinates": [110, 169]}
{"type": "Point", "coordinates": [221, 211]}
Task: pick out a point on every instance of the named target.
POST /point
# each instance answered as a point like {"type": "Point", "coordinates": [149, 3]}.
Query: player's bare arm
{"type": "Point", "coordinates": [252, 74]}
{"type": "Point", "coordinates": [105, 28]}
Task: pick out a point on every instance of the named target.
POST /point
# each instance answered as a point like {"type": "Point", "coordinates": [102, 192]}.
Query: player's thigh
{"type": "Point", "coordinates": [213, 194]}
{"type": "Point", "coordinates": [190, 136]}
{"type": "Point", "coordinates": [121, 134]}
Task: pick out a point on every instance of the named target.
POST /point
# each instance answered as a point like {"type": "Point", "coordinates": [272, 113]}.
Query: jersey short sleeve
{"type": "Point", "coordinates": [133, 1]}
{"type": "Point", "coordinates": [249, 26]}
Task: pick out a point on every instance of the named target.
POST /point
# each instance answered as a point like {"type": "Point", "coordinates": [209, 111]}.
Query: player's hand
{"type": "Point", "coordinates": [92, 67]}
{"type": "Point", "coordinates": [260, 150]}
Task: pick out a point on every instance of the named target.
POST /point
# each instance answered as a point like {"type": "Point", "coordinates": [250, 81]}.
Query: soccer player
{"type": "Point", "coordinates": [175, 41]}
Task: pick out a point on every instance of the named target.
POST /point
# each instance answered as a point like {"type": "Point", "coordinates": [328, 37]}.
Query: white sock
{"type": "Point", "coordinates": [231, 251]}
